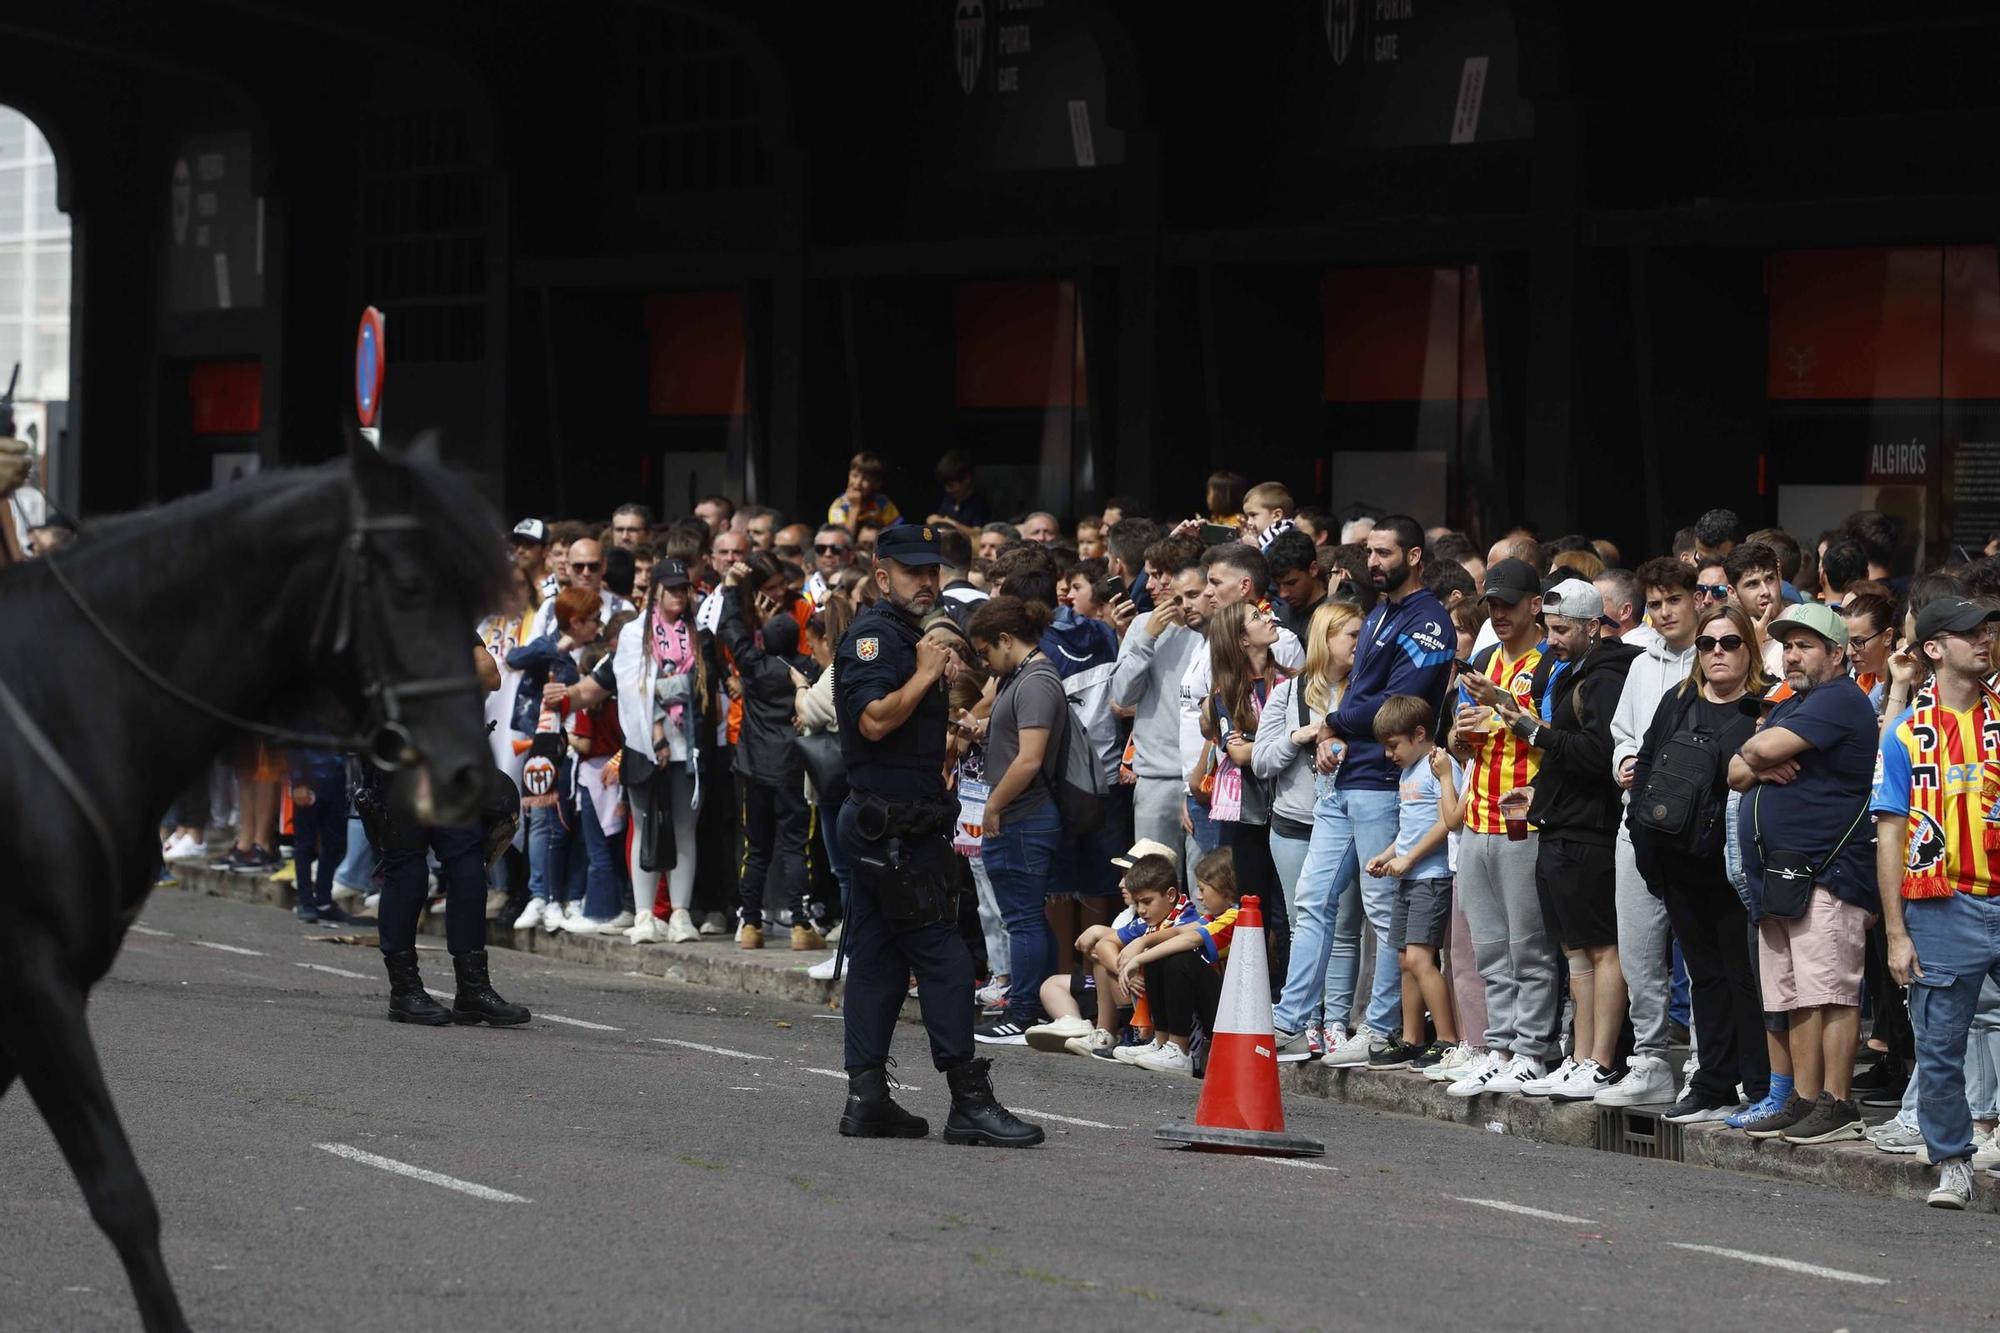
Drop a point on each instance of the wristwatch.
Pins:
(1527, 728)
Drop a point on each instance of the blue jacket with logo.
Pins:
(1405, 648)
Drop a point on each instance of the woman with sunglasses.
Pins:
(1679, 849)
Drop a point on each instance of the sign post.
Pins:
(370, 361)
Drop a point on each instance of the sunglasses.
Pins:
(585, 566)
(1708, 643)
(1717, 591)
(834, 548)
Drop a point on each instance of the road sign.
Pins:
(370, 348)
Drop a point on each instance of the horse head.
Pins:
(420, 564)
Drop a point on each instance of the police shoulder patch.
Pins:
(868, 649)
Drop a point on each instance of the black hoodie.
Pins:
(765, 751)
(1576, 797)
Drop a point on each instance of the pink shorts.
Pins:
(1815, 959)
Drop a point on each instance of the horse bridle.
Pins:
(384, 739)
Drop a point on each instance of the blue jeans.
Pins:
(1207, 836)
(551, 840)
(1958, 948)
(357, 868)
(1018, 860)
(1349, 826)
(602, 865)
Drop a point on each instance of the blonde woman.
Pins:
(1325, 927)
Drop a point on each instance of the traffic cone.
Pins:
(1240, 1110)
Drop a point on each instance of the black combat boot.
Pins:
(978, 1117)
(872, 1113)
(477, 1001)
(409, 1002)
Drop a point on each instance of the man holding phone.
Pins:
(1152, 661)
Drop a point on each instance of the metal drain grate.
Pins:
(1638, 1134)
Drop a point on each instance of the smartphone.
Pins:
(1111, 588)
(1463, 665)
(1215, 534)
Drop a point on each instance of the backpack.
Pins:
(1076, 778)
(1678, 805)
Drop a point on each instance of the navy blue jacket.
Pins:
(1405, 648)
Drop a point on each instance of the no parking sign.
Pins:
(370, 351)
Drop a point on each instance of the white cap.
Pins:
(1573, 599)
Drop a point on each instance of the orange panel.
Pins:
(1971, 322)
(227, 397)
(694, 354)
(1391, 334)
(1018, 344)
(1855, 323)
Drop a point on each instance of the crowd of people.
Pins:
(1713, 832)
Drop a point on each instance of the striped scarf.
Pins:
(1953, 811)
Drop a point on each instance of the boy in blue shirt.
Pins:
(1419, 861)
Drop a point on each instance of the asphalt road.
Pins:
(669, 1160)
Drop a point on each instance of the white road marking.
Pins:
(1293, 1161)
(1789, 1265)
(436, 994)
(712, 1050)
(229, 948)
(390, 1164)
(1526, 1211)
(579, 1023)
(1065, 1119)
(841, 1074)
(157, 934)
(336, 971)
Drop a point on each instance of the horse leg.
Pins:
(48, 1042)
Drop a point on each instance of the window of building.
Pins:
(34, 282)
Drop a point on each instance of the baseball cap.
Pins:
(669, 574)
(1573, 599)
(531, 530)
(1821, 620)
(1143, 848)
(1951, 615)
(1511, 581)
(909, 544)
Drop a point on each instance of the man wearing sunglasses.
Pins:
(833, 551)
(1711, 581)
(586, 571)
(1669, 587)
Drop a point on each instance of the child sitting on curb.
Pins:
(1151, 886)
(1179, 968)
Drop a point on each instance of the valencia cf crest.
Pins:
(969, 41)
(538, 776)
(868, 649)
(1926, 844)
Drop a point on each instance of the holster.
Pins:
(906, 860)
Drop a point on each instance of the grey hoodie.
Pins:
(1654, 672)
(1147, 680)
(1287, 767)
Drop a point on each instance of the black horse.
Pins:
(347, 592)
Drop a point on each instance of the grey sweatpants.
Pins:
(1642, 955)
(1156, 810)
(1517, 963)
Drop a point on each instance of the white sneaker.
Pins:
(583, 925)
(552, 916)
(1954, 1187)
(833, 936)
(1472, 1081)
(681, 928)
(715, 923)
(1583, 1083)
(1547, 1083)
(1167, 1058)
(617, 925)
(1352, 1048)
(572, 909)
(346, 897)
(992, 994)
(531, 915)
(648, 929)
(1130, 1055)
(1457, 1061)
(371, 903)
(1051, 1036)
(1985, 1152)
(183, 847)
(1647, 1082)
(1516, 1073)
(820, 971)
(1099, 1041)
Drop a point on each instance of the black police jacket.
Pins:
(878, 656)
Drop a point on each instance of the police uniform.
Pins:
(903, 880)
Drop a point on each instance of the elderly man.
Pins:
(833, 551)
(1041, 526)
(1808, 776)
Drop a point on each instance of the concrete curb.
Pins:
(781, 975)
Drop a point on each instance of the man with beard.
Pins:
(902, 912)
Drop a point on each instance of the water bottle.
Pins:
(1323, 783)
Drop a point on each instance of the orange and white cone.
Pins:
(1240, 1110)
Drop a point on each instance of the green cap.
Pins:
(1821, 620)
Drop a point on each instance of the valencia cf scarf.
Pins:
(545, 753)
(1952, 810)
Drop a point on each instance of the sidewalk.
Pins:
(781, 974)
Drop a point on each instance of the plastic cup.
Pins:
(1517, 826)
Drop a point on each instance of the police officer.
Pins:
(902, 910)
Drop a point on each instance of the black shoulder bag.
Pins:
(1789, 876)
(1678, 805)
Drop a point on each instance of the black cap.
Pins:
(1511, 581)
(909, 544)
(669, 574)
(1951, 615)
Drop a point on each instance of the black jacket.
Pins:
(1576, 797)
(764, 750)
(1655, 862)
